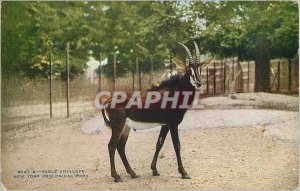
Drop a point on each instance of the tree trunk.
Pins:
(262, 65)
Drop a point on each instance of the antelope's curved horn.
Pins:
(197, 54)
(188, 52)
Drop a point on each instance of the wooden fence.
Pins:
(231, 76)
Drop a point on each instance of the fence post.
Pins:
(224, 76)
(278, 76)
(207, 83)
(290, 76)
(68, 79)
(233, 74)
(133, 74)
(139, 73)
(171, 68)
(99, 73)
(114, 71)
(50, 84)
(248, 76)
(228, 86)
(151, 77)
(214, 77)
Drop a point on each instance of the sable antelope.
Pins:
(121, 119)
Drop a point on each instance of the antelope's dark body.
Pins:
(167, 117)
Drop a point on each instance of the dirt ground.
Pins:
(231, 147)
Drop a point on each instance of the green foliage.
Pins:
(233, 28)
(31, 30)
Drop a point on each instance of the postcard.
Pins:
(149, 95)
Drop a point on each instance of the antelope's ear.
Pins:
(181, 65)
(206, 62)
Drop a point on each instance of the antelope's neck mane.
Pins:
(172, 83)
(175, 82)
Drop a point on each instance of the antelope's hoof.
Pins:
(155, 173)
(135, 176)
(117, 178)
(185, 176)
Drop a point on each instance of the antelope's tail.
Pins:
(106, 120)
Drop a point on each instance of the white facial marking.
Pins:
(192, 79)
(141, 125)
(193, 82)
(193, 72)
(199, 71)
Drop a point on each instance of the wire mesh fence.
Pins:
(28, 99)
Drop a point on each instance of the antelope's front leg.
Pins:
(176, 144)
(160, 142)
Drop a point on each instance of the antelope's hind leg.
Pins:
(176, 144)
(121, 151)
(112, 146)
(160, 142)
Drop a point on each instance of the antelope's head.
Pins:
(193, 68)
